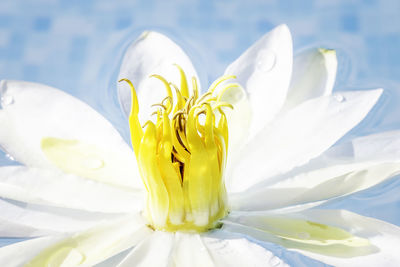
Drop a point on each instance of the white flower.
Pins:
(80, 194)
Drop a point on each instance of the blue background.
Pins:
(77, 46)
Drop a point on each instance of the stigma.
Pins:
(182, 155)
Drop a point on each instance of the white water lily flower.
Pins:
(80, 194)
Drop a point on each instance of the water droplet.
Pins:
(339, 98)
(266, 60)
(303, 235)
(10, 157)
(93, 163)
(7, 100)
(274, 261)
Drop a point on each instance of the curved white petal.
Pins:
(155, 250)
(314, 73)
(374, 242)
(379, 148)
(316, 186)
(54, 188)
(93, 246)
(34, 111)
(152, 53)
(301, 134)
(16, 221)
(385, 145)
(190, 250)
(384, 236)
(264, 70)
(14, 229)
(336, 237)
(230, 250)
(17, 254)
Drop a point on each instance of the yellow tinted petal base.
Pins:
(87, 160)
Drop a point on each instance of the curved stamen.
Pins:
(165, 82)
(184, 84)
(134, 124)
(159, 105)
(171, 104)
(195, 88)
(203, 97)
(222, 104)
(181, 100)
(215, 84)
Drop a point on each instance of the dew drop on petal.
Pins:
(266, 60)
(274, 261)
(93, 163)
(339, 98)
(7, 100)
(10, 157)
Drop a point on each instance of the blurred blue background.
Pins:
(77, 46)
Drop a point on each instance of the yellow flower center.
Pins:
(182, 156)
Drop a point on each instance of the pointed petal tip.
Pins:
(327, 51)
(283, 29)
(149, 34)
(376, 93)
(330, 59)
(280, 30)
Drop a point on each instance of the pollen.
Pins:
(182, 155)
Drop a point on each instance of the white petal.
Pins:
(15, 229)
(230, 250)
(384, 236)
(53, 188)
(94, 245)
(38, 111)
(264, 70)
(152, 53)
(301, 134)
(154, 251)
(189, 250)
(336, 237)
(314, 73)
(384, 145)
(17, 254)
(378, 147)
(316, 186)
(16, 221)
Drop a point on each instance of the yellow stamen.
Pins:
(184, 85)
(182, 157)
(215, 84)
(134, 124)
